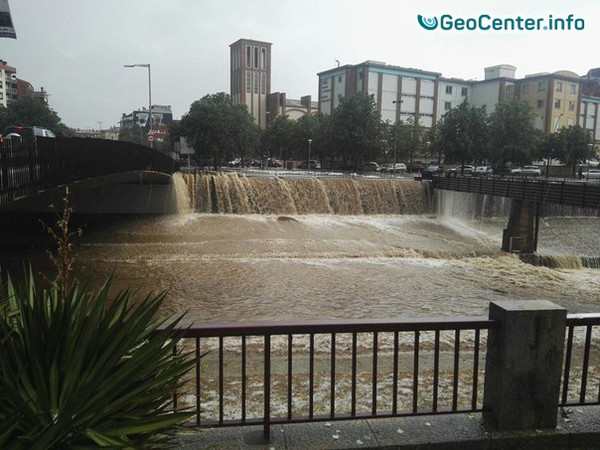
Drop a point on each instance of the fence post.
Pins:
(523, 365)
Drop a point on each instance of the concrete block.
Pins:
(523, 365)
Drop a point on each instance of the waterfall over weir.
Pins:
(232, 193)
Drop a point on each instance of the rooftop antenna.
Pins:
(337, 61)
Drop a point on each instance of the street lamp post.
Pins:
(308, 162)
(147, 66)
(396, 102)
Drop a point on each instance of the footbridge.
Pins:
(527, 194)
(101, 175)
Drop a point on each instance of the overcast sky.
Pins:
(76, 49)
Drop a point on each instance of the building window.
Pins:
(557, 104)
(573, 89)
(448, 105)
(540, 104)
(248, 81)
(541, 86)
(360, 75)
(256, 57)
(263, 83)
(263, 58)
(464, 92)
(525, 89)
(340, 79)
(248, 56)
(559, 86)
(256, 83)
(571, 106)
(448, 89)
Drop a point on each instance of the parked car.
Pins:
(591, 174)
(415, 168)
(370, 167)
(18, 132)
(501, 170)
(465, 169)
(314, 164)
(398, 168)
(434, 169)
(527, 171)
(483, 171)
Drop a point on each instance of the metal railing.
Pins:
(302, 173)
(581, 194)
(288, 372)
(581, 374)
(271, 373)
(29, 166)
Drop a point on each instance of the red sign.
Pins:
(158, 133)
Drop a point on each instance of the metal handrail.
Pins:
(334, 330)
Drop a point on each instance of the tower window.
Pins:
(256, 57)
(248, 56)
(263, 58)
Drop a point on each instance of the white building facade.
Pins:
(401, 94)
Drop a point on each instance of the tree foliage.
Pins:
(30, 112)
(570, 145)
(463, 134)
(218, 130)
(354, 130)
(134, 134)
(512, 136)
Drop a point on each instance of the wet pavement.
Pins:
(578, 428)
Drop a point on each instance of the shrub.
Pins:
(80, 368)
(83, 370)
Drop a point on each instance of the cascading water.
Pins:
(236, 194)
(568, 237)
(182, 194)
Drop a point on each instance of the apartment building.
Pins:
(554, 98)
(400, 93)
(8, 83)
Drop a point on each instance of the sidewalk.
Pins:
(578, 428)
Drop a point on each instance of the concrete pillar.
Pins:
(523, 365)
(520, 234)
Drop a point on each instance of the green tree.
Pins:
(511, 133)
(463, 133)
(279, 138)
(133, 133)
(218, 130)
(354, 130)
(310, 127)
(571, 145)
(32, 112)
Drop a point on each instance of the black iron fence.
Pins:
(288, 372)
(581, 373)
(320, 370)
(29, 166)
(581, 194)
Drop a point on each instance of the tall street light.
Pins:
(147, 66)
(396, 102)
(309, 144)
